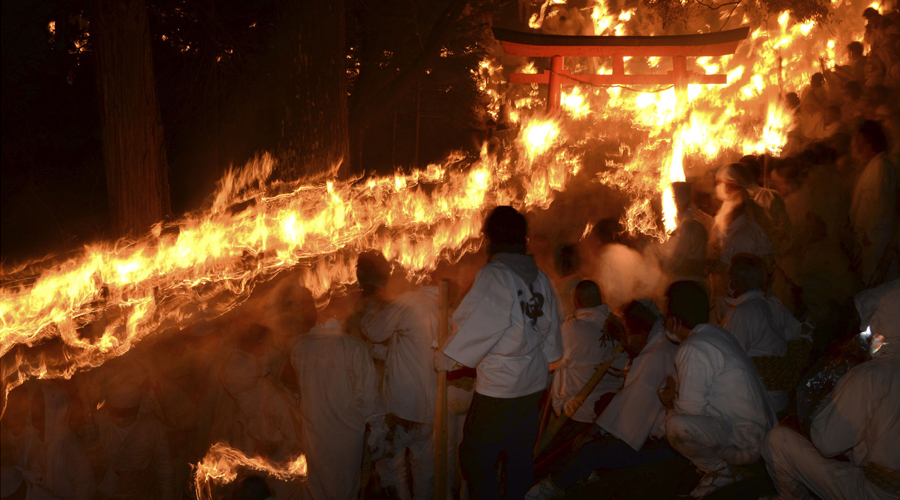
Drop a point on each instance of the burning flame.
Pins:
(97, 305)
(221, 464)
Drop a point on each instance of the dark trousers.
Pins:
(609, 452)
(496, 426)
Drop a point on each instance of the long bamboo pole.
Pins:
(440, 423)
(585, 391)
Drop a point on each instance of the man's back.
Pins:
(716, 378)
(409, 324)
(862, 415)
(338, 394)
(508, 329)
(761, 327)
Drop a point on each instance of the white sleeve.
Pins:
(481, 319)
(694, 372)
(741, 322)
(553, 344)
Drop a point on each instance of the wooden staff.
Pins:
(440, 422)
(580, 397)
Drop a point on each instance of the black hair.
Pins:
(751, 162)
(872, 132)
(507, 231)
(853, 88)
(855, 48)
(747, 271)
(372, 271)
(587, 293)
(639, 317)
(566, 259)
(607, 230)
(688, 302)
(251, 487)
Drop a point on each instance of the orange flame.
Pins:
(210, 261)
(221, 464)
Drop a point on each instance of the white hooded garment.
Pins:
(56, 466)
(636, 413)
(585, 348)
(873, 211)
(494, 333)
(338, 397)
(761, 324)
(410, 325)
(860, 420)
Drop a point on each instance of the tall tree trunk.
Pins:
(312, 58)
(134, 152)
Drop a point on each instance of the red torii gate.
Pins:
(678, 47)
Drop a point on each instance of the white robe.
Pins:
(583, 351)
(636, 413)
(56, 467)
(761, 324)
(859, 420)
(722, 412)
(684, 254)
(409, 390)
(338, 397)
(137, 459)
(873, 212)
(410, 325)
(492, 333)
(779, 222)
(743, 235)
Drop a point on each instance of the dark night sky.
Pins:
(53, 184)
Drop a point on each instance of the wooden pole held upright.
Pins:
(440, 414)
(554, 92)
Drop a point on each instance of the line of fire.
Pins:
(450, 249)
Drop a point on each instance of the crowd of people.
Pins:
(774, 262)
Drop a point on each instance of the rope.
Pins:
(884, 478)
(782, 373)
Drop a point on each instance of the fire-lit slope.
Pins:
(95, 306)
(207, 263)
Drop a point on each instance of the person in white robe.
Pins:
(508, 328)
(135, 446)
(720, 414)
(408, 326)
(858, 422)
(567, 262)
(736, 230)
(873, 210)
(684, 254)
(586, 344)
(338, 400)
(265, 423)
(759, 321)
(630, 431)
(777, 224)
(52, 461)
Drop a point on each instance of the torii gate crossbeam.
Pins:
(678, 47)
